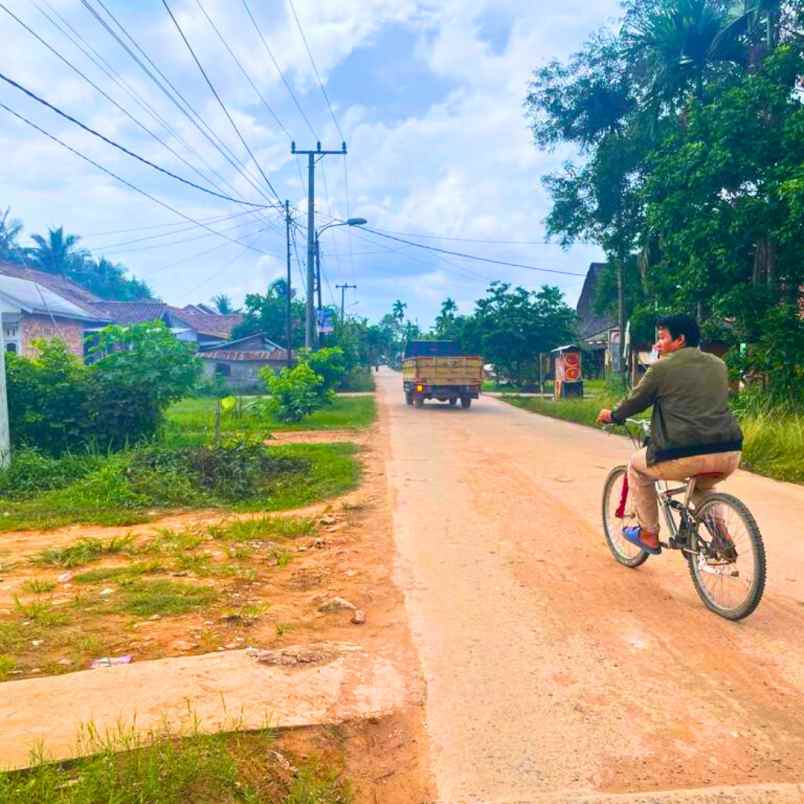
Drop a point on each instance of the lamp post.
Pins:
(319, 232)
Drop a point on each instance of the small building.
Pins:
(598, 333)
(31, 310)
(238, 363)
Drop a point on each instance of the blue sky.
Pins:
(428, 95)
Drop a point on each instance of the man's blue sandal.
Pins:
(633, 534)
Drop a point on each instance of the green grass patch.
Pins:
(773, 445)
(39, 586)
(13, 636)
(83, 551)
(582, 411)
(193, 420)
(124, 573)
(266, 527)
(203, 769)
(41, 612)
(7, 664)
(141, 484)
(146, 598)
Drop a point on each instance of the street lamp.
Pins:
(319, 232)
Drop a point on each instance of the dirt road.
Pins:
(549, 668)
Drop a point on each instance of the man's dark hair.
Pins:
(681, 324)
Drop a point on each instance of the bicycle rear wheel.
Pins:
(626, 553)
(728, 570)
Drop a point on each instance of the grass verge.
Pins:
(203, 769)
(772, 443)
(193, 419)
(142, 484)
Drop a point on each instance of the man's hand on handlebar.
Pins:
(604, 417)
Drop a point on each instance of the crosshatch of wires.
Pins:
(193, 144)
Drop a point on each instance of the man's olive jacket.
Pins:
(689, 393)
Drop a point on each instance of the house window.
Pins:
(11, 347)
(223, 369)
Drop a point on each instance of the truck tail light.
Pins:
(420, 388)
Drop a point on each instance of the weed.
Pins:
(199, 564)
(282, 557)
(172, 542)
(239, 552)
(83, 551)
(284, 628)
(146, 598)
(271, 527)
(119, 573)
(41, 613)
(7, 664)
(39, 586)
(317, 783)
(12, 636)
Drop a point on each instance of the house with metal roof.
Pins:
(597, 332)
(238, 363)
(30, 310)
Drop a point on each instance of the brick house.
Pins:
(36, 305)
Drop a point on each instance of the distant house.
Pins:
(238, 363)
(190, 323)
(598, 332)
(35, 304)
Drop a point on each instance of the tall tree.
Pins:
(57, 252)
(223, 304)
(267, 313)
(10, 230)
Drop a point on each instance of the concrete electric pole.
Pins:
(5, 435)
(288, 321)
(309, 328)
(343, 289)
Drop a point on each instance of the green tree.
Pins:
(267, 313)
(223, 304)
(56, 253)
(515, 325)
(10, 230)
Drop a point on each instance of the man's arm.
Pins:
(642, 397)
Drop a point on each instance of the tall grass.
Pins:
(773, 445)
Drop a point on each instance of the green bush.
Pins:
(358, 379)
(295, 392)
(32, 471)
(329, 364)
(58, 405)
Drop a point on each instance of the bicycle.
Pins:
(719, 538)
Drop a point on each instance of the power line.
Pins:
(474, 240)
(111, 73)
(122, 148)
(243, 69)
(474, 257)
(220, 101)
(95, 86)
(279, 69)
(216, 219)
(172, 94)
(115, 176)
(315, 69)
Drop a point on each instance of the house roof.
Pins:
(64, 287)
(589, 322)
(253, 355)
(36, 299)
(267, 342)
(131, 312)
(217, 326)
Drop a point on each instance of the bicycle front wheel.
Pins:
(625, 552)
(728, 569)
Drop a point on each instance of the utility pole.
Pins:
(288, 321)
(343, 289)
(309, 329)
(318, 271)
(5, 437)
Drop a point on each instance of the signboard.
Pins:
(326, 321)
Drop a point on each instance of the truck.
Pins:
(438, 370)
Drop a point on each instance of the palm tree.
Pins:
(674, 44)
(57, 253)
(10, 229)
(398, 310)
(223, 304)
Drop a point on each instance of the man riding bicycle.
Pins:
(693, 432)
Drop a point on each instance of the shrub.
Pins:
(295, 392)
(329, 364)
(57, 404)
(32, 471)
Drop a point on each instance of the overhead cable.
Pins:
(122, 148)
(118, 178)
(220, 100)
(474, 257)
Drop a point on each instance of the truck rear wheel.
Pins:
(418, 402)
(409, 399)
(453, 402)
(466, 402)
